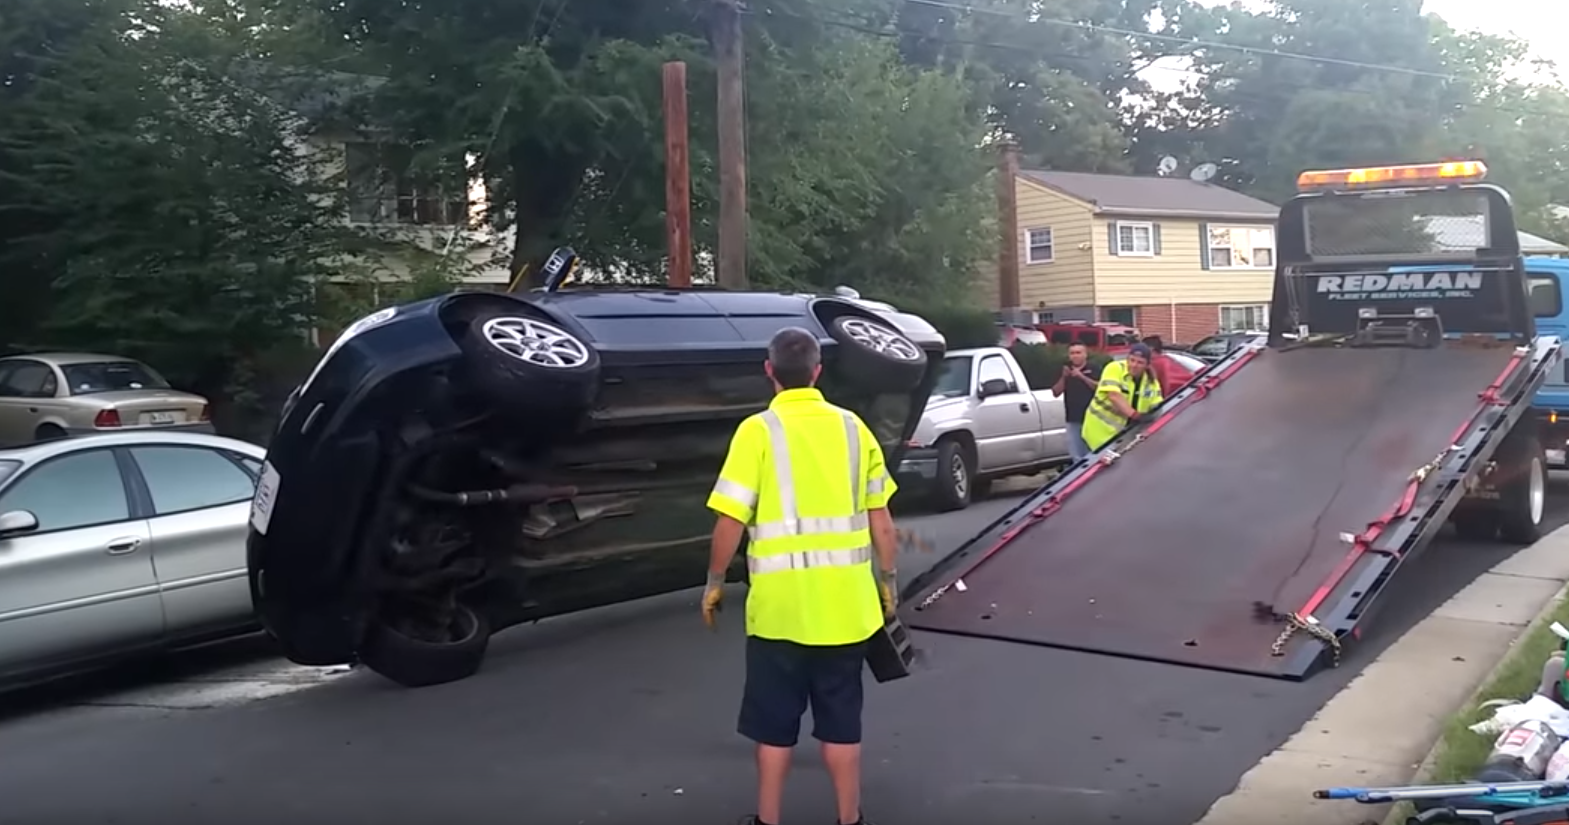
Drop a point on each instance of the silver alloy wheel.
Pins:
(1538, 489)
(880, 339)
(536, 342)
(961, 476)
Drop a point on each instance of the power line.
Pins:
(1186, 41)
(886, 33)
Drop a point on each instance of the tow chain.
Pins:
(1110, 456)
(1310, 626)
(1421, 473)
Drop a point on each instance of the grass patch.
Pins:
(1460, 753)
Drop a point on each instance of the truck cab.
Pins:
(1545, 277)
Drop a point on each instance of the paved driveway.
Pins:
(626, 715)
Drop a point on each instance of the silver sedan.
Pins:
(115, 545)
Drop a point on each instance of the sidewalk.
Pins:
(1380, 729)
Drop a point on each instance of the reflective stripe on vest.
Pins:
(737, 493)
(792, 524)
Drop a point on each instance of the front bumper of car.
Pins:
(918, 468)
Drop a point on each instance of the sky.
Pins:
(1538, 22)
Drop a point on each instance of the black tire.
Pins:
(500, 359)
(1475, 523)
(1523, 492)
(48, 432)
(955, 475)
(418, 663)
(873, 355)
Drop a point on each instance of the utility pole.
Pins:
(1008, 227)
(678, 178)
(732, 144)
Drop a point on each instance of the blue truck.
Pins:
(1545, 277)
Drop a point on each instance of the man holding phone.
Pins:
(1076, 387)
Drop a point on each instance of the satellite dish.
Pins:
(1204, 171)
(1168, 164)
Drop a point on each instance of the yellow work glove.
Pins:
(713, 598)
(888, 589)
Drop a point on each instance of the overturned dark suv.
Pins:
(464, 464)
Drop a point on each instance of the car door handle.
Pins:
(120, 547)
(1024, 408)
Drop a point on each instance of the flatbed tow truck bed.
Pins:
(1282, 485)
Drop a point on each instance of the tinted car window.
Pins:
(1546, 296)
(77, 490)
(28, 379)
(109, 376)
(1213, 345)
(190, 478)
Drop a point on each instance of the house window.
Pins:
(1038, 246)
(1135, 238)
(383, 189)
(1241, 247)
(1244, 318)
(1118, 315)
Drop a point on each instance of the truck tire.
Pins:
(525, 363)
(1523, 493)
(875, 356)
(419, 663)
(955, 475)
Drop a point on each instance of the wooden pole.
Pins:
(732, 145)
(1008, 227)
(678, 178)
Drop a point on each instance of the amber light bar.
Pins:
(1373, 177)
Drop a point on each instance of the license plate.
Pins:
(266, 496)
(1556, 457)
(157, 418)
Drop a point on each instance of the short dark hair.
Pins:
(794, 355)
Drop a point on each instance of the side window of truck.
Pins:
(993, 367)
(1546, 295)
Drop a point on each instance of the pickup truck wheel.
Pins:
(415, 662)
(523, 362)
(875, 356)
(1523, 495)
(955, 475)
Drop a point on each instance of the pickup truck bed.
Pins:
(1228, 512)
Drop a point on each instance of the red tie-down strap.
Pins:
(1363, 541)
(1053, 503)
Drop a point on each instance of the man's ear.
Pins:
(768, 369)
(817, 372)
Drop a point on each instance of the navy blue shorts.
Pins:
(784, 678)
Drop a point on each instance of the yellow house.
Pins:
(1172, 256)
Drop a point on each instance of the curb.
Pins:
(1397, 813)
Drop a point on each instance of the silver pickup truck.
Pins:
(982, 422)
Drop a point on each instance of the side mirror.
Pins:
(16, 523)
(996, 386)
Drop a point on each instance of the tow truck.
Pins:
(1334, 457)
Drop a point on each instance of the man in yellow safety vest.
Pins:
(807, 482)
(1127, 390)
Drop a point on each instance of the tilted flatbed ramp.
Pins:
(1232, 509)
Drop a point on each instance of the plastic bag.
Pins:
(1507, 713)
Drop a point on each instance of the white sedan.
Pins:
(115, 545)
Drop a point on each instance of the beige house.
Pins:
(1171, 256)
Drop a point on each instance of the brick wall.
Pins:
(1192, 321)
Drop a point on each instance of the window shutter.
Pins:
(1204, 245)
(1111, 231)
(1155, 238)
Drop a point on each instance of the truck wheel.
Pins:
(955, 475)
(875, 356)
(420, 663)
(1523, 495)
(526, 363)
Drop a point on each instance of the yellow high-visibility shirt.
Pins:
(1102, 422)
(802, 476)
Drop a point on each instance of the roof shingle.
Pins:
(1152, 196)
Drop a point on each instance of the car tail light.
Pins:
(206, 414)
(107, 418)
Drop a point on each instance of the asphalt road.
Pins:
(626, 715)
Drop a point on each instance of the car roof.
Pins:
(32, 453)
(65, 359)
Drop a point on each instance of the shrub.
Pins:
(963, 326)
(1043, 363)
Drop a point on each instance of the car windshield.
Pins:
(7, 468)
(111, 376)
(954, 380)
